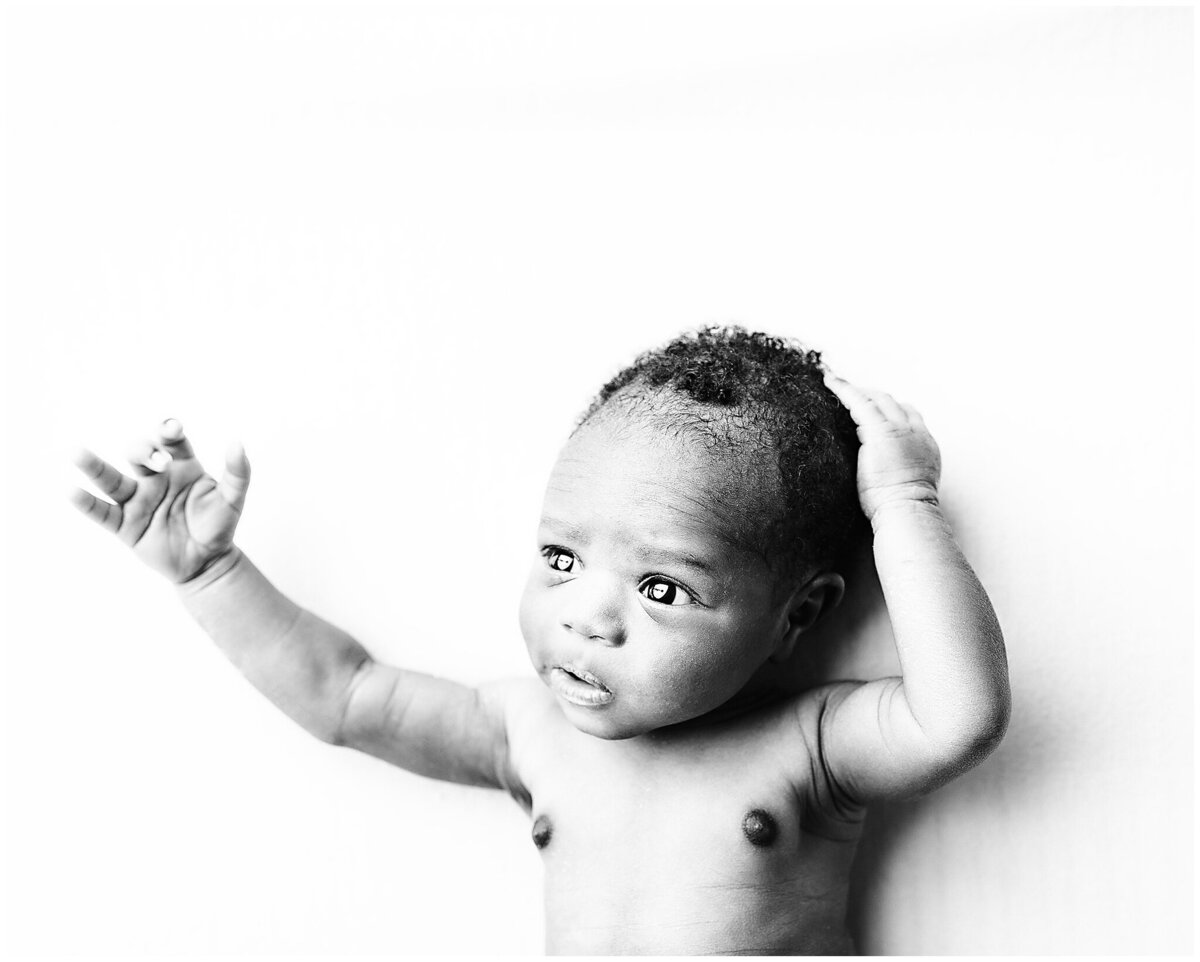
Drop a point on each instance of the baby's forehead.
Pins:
(723, 447)
(671, 474)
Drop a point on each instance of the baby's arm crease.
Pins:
(352, 687)
(367, 714)
(827, 794)
(490, 705)
(836, 789)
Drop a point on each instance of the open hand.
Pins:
(175, 516)
(899, 459)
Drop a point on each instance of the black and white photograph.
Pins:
(598, 478)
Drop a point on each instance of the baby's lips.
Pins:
(579, 687)
(587, 676)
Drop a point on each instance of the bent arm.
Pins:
(330, 685)
(950, 707)
(429, 726)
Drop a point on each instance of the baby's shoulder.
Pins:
(810, 707)
(798, 726)
(532, 720)
(778, 752)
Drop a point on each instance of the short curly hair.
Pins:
(757, 395)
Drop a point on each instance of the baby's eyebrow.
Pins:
(643, 552)
(571, 531)
(648, 554)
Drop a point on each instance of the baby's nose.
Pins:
(593, 609)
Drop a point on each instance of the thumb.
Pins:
(236, 479)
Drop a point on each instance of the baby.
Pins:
(695, 527)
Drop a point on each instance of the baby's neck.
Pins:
(750, 699)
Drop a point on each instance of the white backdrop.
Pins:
(395, 248)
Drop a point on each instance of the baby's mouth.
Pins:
(579, 687)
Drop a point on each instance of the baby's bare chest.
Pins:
(687, 852)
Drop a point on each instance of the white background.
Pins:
(395, 249)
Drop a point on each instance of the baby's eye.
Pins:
(664, 592)
(559, 559)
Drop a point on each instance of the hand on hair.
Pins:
(898, 461)
(176, 517)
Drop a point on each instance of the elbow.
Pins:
(994, 717)
(333, 731)
(351, 722)
(979, 736)
(988, 714)
(960, 744)
(987, 735)
(331, 726)
(1000, 718)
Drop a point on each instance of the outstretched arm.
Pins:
(949, 708)
(329, 684)
(181, 522)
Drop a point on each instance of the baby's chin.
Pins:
(603, 722)
(612, 724)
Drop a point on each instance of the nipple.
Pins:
(759, 828)
(542, 831)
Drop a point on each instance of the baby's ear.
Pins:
(821, 593)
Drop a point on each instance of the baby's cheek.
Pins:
(531, 612)
(535, 614)
(712, 672)
(688, 687)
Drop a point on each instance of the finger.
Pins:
(861, 405)
(146, 459)
(105, 477)
(171, 437)
(890, 407)
(104, 514)
(914, 416)
(236, 479)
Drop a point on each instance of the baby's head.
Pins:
(693, 528)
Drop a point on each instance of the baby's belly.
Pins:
(682, 920)
(694, 889)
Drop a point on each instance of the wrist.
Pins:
(216, 569)
(925, 506)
